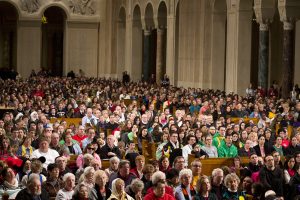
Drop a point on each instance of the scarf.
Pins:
(24, 152)
(185, 192)
(11, 186)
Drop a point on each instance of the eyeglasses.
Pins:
(91, 148)
(197, 166)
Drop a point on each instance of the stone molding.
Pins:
(82, 7)
(30, 6)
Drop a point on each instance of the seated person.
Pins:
(53, 184)
(109, 149)
(68, 190)
(25, 150)
(33, 190)
(9, 179)
(46, 152)
(89, 149)
(36, 168)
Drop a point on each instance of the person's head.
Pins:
(91, 133)
(88, 159)
(278, 141)
(254, 159)
(297, 168)
(232, 181)
(34, 185)
(217, 176)
(172, 176)
(185, 176)
(61, 162)
(159, 188)
(276, 157)
(191, 139)
(157, 176)
(114, 163)
(261, 140)
(203, 185)
(118, 186)
(228, 139)
(44, 144)
(53, 171)
(164, 162)
(89, 174)
(36, 166)
(247, 183)
(148, 171)
(100, 178)
(297, 156)
(174, 137)
(269, 162)
(137, 186)
(111, 140)
(83, 191)
(8, 174)
(196, 167)
(179, 163)
(140, 162)
(124, 168)
(96, 164)
(90, 149)
(289, 162)
(69, 181)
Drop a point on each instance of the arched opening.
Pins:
(137, 44)
(121, 32)
(53, 40)
(149, 44)
(161, 41)
(8, 38)
(254, 53)
(219, 31)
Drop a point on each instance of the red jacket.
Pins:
(152, 196)
(169, 191)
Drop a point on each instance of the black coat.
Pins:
(24, 195)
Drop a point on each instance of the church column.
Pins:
(264, 12)
(288, 58)
(159, 54)
(146, 55)
(263, 59)
(289, 10)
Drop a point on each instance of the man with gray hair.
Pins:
(217, 186)
(33, 190)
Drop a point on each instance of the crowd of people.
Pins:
(116, 116)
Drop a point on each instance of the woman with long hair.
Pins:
(204, 190)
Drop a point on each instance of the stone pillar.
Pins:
(171, 69)
(146, 55)
(160, 55)
(263, 60)
(288, 59)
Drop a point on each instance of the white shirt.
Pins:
(50, 156)
(186, 150)
(64, 195)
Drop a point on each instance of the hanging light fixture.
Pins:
(44, 20)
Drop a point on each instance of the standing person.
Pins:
(271, 176)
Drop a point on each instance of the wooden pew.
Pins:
(246, 120)
(209, 164)
(76, 121)
(148, 150)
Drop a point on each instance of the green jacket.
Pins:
(227, 152)
(218, 140)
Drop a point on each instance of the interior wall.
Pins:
(297, 53)
(189, 43)
(83, 41)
